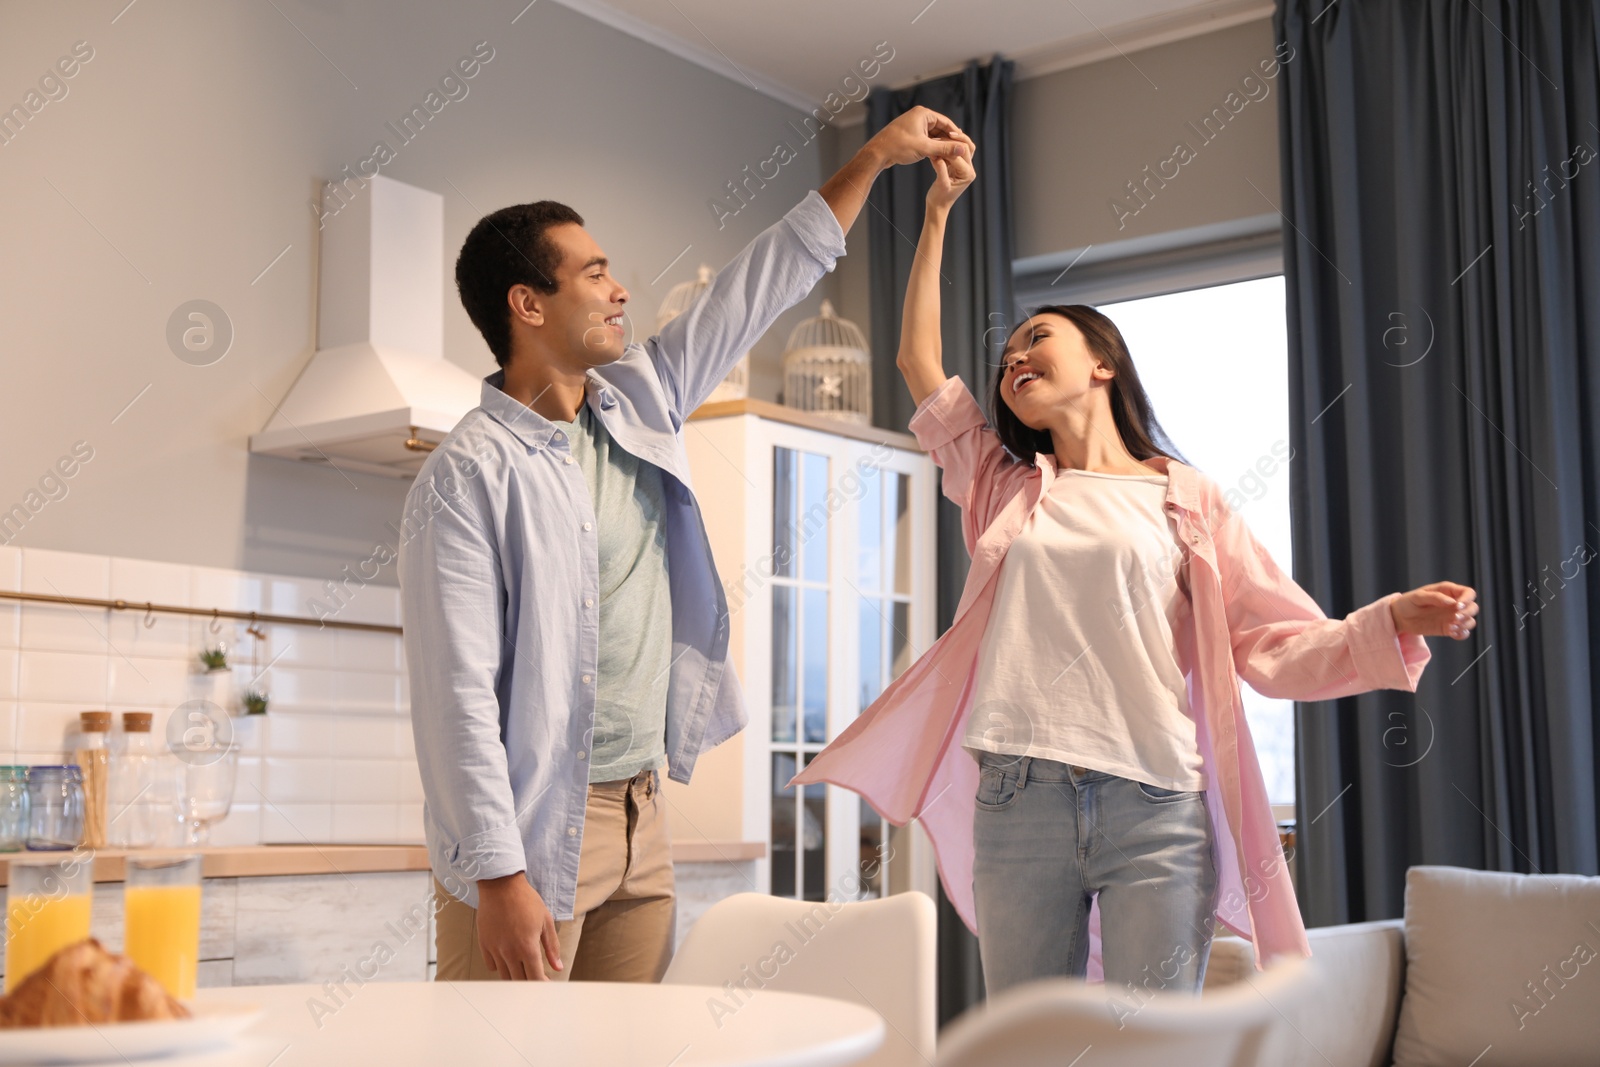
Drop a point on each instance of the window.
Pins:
(1225, 349)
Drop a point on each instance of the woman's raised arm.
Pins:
(921, 355)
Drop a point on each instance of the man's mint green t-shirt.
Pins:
(635, 603)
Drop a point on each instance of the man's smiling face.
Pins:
(587, 307)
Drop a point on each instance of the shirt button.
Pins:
(583, 755)
(588, 601)
(587, 679)
(560, 436)
(587, 527)
(572, 831)
(568, 460)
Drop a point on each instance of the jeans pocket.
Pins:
(997, 790)
(1156, 792)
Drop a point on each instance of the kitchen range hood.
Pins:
(378, 394)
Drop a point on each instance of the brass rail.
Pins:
(211, 613)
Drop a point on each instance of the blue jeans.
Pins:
(1050, 836)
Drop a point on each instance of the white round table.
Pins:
(540, 1024)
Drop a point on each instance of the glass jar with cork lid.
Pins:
(142, 800)
(91, 751)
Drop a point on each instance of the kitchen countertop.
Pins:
(266, 860)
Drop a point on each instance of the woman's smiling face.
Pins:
(1047, 363)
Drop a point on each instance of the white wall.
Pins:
(181, 161)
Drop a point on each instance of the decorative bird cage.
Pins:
(827, 369)
(736, 386)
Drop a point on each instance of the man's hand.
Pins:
(950, 179)
(1442, 609)
(918, 134)
(516, 931)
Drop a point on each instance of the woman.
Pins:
(1075, 744)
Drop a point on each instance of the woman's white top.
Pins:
(1078, 663)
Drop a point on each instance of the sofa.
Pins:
(1485, 970)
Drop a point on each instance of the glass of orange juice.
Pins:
(47, 909)
(161, 901)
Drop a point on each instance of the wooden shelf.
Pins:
(251, 861)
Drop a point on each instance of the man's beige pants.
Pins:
(621, 929)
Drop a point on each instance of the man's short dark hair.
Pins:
(506, 248)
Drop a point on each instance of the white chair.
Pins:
(1056, 1021)
(877, 953)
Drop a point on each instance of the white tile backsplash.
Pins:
(410, 790)
(65, 573)
(305, 688)
(63, 678)
(366, 781)
(303, 646)
(251, 782)
(10, 622)
(368, 737)
(212, 587)
(143, 681)
(411, 831)
(366, 822)
(288, 734)
(331, 761)
(10, 610)
(150, 581)
(167, 636)
(367, 692)
(296, 824)
(297, 781)
(8, 732)
(361, 651)
(65, 628)
(44, 727)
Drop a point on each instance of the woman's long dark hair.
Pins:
(1136, 422)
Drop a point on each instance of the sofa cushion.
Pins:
(1345, 1015)
(1501, 969)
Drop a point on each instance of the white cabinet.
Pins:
(824, 536)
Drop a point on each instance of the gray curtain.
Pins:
(977, 315)
(1442, 263)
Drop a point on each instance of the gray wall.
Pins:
(180, 162)
(1083, 134)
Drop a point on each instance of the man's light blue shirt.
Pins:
(499, 577)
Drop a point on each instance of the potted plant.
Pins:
(215, 659)
(255, 701)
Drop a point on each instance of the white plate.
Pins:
(211, 1025)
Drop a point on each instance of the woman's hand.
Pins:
(1442, 609)
(951, 178)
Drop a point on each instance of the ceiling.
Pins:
(799, 53)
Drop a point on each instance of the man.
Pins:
(565, 628)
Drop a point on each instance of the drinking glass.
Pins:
(47, 909)
(208, 790)
(161, 901)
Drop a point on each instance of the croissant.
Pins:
(82, 984)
